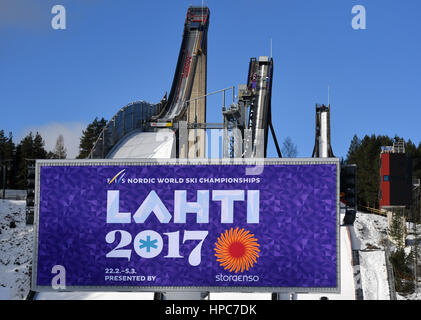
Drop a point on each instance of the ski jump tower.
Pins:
(322, 146)
(186, 104)
(196, 25)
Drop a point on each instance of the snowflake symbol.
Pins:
(148, 244)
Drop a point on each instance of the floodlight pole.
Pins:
(5, 165)
(4, 180)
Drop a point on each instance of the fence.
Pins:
(372, 210)
(11, 194)
(390, 274)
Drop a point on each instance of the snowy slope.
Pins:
(371, 230)
(160, 145)
(16, 241)
(374, 275)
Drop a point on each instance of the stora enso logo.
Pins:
(117, 178)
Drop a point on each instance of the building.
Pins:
(395, 176)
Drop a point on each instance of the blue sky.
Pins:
(115, 52)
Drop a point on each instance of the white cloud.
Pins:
(71, 132)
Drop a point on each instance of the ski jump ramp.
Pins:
(146, 145)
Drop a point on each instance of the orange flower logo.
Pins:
(237, 250)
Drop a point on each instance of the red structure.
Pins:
(384, 179)
(395, 176)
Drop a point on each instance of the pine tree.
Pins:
(89, 136)
(414, 153)
(397, 229)
(39, 151)
(30, 147)
(353, 149)
(9, 154)
(4, 152)
(23, 152)
(365, 154)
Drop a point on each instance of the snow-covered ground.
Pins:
(16, 242)
(371, 230)
(13, 194)
(374, 275)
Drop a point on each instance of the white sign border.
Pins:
(221, 161)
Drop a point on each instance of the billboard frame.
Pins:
(153, 162)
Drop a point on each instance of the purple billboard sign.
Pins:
(201, 225)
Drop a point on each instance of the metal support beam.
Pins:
(274, 139)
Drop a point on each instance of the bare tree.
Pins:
(289, 149)
(60, 151)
